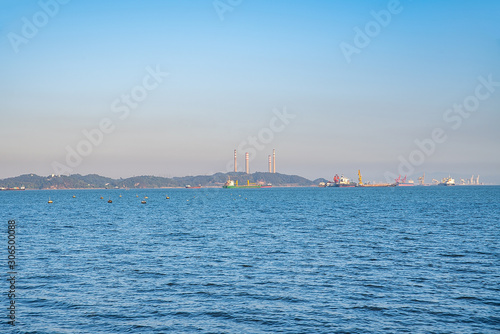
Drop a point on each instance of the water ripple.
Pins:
(312, 260)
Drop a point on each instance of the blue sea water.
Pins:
(279, 260)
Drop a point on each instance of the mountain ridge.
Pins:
(95, 181)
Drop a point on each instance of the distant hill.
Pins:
(33, 181)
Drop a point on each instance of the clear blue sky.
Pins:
(229, 70)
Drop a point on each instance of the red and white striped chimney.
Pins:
(235, 162)
(274, 161)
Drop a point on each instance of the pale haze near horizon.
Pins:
(230, 73)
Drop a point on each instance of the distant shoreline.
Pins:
(217, 180)
(94, 181)
(128, 189)
(213, 187)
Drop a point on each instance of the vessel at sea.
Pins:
(341, 182)
(14, 188)
(230, 184)
(188, 186)
(447, 181)
(401, 182)
(367, 185)
(361, 184)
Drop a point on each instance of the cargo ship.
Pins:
(188, 186)
(401, 182)
(341, 182)
(447, 181)
(230, 184)
(367, 185)
(14, 188)
(361, 184)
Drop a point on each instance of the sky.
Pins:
(171, 88)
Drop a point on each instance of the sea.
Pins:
(275, 260)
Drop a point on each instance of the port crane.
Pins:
(421, 180)
(400, 180)
(360, 179)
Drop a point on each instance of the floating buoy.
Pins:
(120, 195)
(74, 196)
(146, 197)
(143, 202)
(102, 197)
(110, 201)
(50, 201)
(168, 197)
(136, 195)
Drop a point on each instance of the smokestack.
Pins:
(274, 161)
(246, 162)
(270, 170)
(235, 162)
